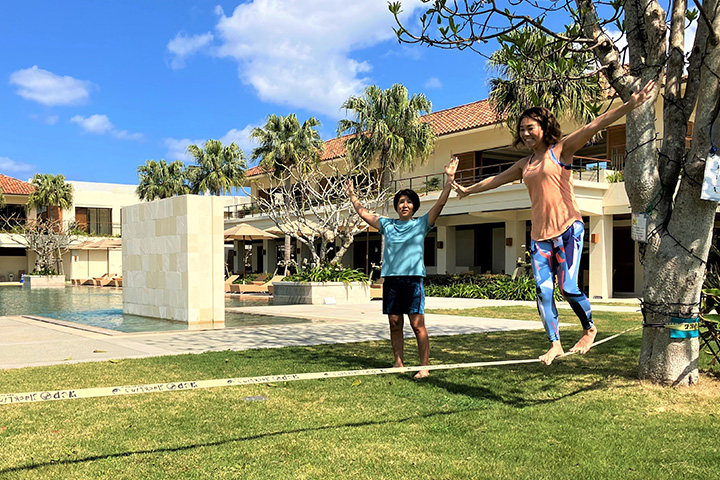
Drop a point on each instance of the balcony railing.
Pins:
(242, 210)
(8, 225)
(584, 168)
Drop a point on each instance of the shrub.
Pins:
(494, 287)
(328, 272)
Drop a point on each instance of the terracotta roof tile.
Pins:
(463, 117)
(13, 186)
(444, 122)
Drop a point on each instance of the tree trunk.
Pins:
(675, 258)
(287, 252)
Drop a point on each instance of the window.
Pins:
(13, 214)
(95, 221)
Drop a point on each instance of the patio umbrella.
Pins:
(106, 244)
(244, 232)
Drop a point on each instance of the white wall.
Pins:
(173, 264)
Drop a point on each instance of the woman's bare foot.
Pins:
(422, 374)
(555, 351)
(586, 341)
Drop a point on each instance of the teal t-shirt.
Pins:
(404, 253)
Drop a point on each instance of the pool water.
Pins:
(102, 307)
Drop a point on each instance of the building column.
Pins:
(601, 251)
(515, 237)
(269, 260)
(446, 255)
(237, 260)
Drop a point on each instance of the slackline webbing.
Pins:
(73, 394)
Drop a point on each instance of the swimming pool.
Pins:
(102, 307)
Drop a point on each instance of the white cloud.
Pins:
(177, 149)
(46, 119)
(10, 165)
(620, 41)
(182, 47)
(433, 82)
(101, 125)
(242, 139)
(50, 89)
(299, 53)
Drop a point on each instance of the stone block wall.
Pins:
(173, 259)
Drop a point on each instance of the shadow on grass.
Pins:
(518, 386)
(260, 436)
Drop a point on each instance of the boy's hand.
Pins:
(349, 188)
(451, 168)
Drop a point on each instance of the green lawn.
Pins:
(584, 417)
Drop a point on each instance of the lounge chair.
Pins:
(116, 282)
(260, 279)
(376, 290)
(252, 288)
(82, 281)
(104, 280)
(229, 282)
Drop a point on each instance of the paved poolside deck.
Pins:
(27, 342)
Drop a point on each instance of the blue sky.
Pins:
(93, 89)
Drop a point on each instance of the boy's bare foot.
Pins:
(422, 374)
(555, 351)
(586, 341)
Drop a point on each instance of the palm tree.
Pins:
(218, 168)
(284, 143)
(2, 198)
(387, 130)
(50, 191)
(535, 70)
(161, 180)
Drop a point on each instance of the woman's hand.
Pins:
(641, 96)
(459, 189)
(451, 168)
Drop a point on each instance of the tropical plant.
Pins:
(537, 69)
(2, 198)
(284, 146)
(48, 238)
(328, 272)
(386, 130)
(283, 140)
(495, 287)
(50, 191)
(663, 181)
(217, 168)
(615, 177)
(161, 180)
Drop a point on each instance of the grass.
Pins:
(583, 417)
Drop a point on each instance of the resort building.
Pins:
(96, 212)
(490, 232)
(482, 233)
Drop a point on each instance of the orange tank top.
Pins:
(552, 200)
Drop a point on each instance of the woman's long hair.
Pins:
(547, 121)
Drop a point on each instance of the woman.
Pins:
(403, 267)
(557, 225)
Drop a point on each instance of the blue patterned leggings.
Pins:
(559, 258)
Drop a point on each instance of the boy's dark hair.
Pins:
(552, 133)
(411, 195)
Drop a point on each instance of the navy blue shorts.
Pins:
(403, 295)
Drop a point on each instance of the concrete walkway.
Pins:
(26, 342)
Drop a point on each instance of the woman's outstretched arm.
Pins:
(575, 141)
